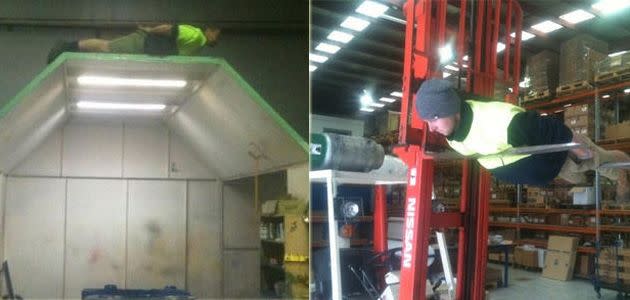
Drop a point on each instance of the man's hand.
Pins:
(584, 152)
(164, 29)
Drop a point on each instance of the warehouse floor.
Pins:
(531, 285)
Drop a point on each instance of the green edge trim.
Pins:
(9, 106)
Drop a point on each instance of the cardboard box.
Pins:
(579, 57)
(618, 131)
(562, 243)
(526, 257)
(579, 121)
(493, 275)
(578, 110)
(296, 236)
(297, 279)
(559, 265)
(582, 265)
(583, 195)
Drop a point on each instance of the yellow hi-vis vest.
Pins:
(489, 133)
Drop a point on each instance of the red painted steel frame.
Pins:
(425, 31)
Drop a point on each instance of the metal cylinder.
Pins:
(345, 153)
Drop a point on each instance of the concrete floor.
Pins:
(526, 285)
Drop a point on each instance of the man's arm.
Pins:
(164, 29)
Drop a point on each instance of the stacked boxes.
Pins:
(608, 262)
(579, 58)
(560, 259)
(526, 256)
(618, 131)
(580, 119)
(614, 64)
(542, 70)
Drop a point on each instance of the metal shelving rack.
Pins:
(332, 179)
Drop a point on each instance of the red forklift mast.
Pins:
(481, 25)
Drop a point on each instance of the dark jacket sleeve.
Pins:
(531, 129)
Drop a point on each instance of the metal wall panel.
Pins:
(34, 241)
(95, 234)
(241, 274)
(240, 228)
(45, 160)
(156, 238)
(185, 163)
(205, 251)
(92, 150)
(145, 151)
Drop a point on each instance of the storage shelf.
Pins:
(543, 244)
(324, 218)
(354, 242)
(577, 98)
(530, 210)
(560, 228)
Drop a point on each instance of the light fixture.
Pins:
(611, 6)
(396, 94)
(119, 106)
(372, 9)
(465, 57)
(605, 96)
(446, 54)
(543, 114)
(452, 68)
(577, 16)
(547, 26)
(388, 100)
(500, 47)
(617, 53)
(366, 98)
(312, 68)
(325, 47)
(119, 81)
(355, 23)
(367, 109)
(626, 91)
(339, 36)
(567, 105)
(445, 74)
(317, 58)
(524, 35)
(376, 104)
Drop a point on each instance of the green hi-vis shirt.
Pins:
(189, 39)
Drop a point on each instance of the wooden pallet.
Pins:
(537, 96)
(573, 87)
(612, 76)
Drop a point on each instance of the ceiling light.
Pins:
(605, 96)
(377, 104)
(371, 9)
(118, 81)
(543, 114)
(387, 99)
(367, 109)
(312, 68)
(317, 58)
(465, 57)
(524, 35)
(366, 98)
(547, 26)
(355, 23)
(119, 106)
(617, 53)
(577, 16)
(451, 68)
(339, 36)
(500, 47)
(445, 74)
(611, 6)
(325, 47)
(626, 91)
(446, 54)
(464, 65)
(396, 94)
(567, 105)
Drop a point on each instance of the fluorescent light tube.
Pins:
(119, 81)
(119, 106)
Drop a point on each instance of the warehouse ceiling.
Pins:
(373, 59)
